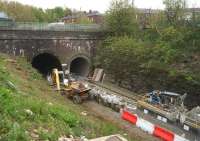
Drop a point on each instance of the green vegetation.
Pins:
(30, 110)
(177, 6)
(26, 13)
(164, 56)
(120, 18)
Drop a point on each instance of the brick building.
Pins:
(93, 16)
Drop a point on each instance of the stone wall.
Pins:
(64, 45)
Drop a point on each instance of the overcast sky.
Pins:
(100, 5)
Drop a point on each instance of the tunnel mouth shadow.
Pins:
(45, 62)
(80, 66)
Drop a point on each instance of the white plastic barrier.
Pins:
(145, 126)
(179, 138)
(130, 107)
(159, 117)
(93, 92)
(103, 96)
(185, 127)
(110, 98)
(146, 111)
(164, 120)
(116, 100)
(106, 97)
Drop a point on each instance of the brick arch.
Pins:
(79, 65)
(45, 62)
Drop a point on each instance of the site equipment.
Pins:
(73, 88)
(165, 98)
(166, 104)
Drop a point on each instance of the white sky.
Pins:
(100, 5)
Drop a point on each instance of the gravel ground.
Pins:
(114, 117)
(192, 136)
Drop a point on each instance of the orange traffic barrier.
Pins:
(163, 134)
(129, 117)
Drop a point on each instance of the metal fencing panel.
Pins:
(50, 26)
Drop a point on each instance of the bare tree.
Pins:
(175, 10)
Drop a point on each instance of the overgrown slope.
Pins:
(30, 110)
(143, 66)
(155, 51)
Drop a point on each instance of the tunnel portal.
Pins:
(79, 66)
(45, 62)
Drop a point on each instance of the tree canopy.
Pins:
(175, 10)
(164, 56)
(120, 18)
(26, 13)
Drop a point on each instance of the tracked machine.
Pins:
(74, 89)
(165, 104)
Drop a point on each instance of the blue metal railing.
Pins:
(51, 26)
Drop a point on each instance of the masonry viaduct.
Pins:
(49, 49)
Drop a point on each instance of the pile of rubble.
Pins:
(109, 99)
(194, 113)
(107, 138)
(71, 138)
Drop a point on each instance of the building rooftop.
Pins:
(192, 9)
(89, 14)
(154, 11)
(94, 13)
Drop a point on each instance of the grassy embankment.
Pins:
(30, 110)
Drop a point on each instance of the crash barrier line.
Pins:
(134, 119)
(150, 128)
(179, 138)
(145, 126)
(163, 134)
(129, 117)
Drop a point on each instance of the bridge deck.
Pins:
(51, 27)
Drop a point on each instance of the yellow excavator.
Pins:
(73, 89)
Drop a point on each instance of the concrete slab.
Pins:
(110, 138)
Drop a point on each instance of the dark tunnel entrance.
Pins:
(45, 62)
(80, 66)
